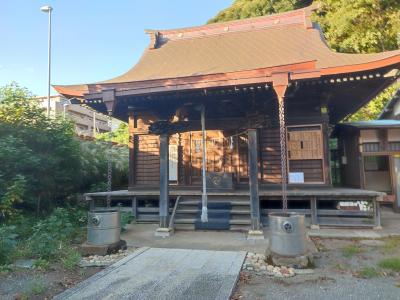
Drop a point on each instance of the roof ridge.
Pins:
(300, 16)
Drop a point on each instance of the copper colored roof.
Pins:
(261, 43)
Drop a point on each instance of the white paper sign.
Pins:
(296, 177)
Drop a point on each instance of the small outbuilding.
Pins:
(369, 154)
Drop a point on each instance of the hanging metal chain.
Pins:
(109, 160)
(282, 136)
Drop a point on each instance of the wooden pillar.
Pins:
(253, 179)
(314, 213)
(134, 208)
(164, 180)
(396, 181)
(327, 152)
(377, 213)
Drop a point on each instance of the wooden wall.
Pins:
(227, 152)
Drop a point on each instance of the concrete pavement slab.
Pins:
(160, 273)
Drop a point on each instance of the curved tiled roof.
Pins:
(244, 45)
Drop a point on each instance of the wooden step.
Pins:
(233, 202)
(195, 211)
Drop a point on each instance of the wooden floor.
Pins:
(270, 191)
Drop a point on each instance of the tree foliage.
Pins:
(351, 26)
(119, 136)
(242, 9)
(360, 26)
(43, 164)
(373, 109)
(39, 156)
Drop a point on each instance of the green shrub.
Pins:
(14, 194)
(8, 243)
(390, 263)
(126, 218)
(52, 235)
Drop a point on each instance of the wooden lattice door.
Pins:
(305, 148)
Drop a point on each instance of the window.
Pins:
(376, 163)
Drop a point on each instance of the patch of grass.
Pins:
(368, 272)
(390, 263)
(5, 269)
(42, 264)
(35, 287)
(351, 250)
(340, 267)
(70, 259)
(391, 244)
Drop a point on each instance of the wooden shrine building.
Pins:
(237, 72)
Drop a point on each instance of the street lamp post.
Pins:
(48, 9)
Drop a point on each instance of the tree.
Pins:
(39, 156)
(352, 26)
(360, 26)
(242, 9)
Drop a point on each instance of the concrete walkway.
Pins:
(159, 273)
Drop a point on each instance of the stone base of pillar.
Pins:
(255, 235)
(163, 232)
(314, 226)
(377, 228)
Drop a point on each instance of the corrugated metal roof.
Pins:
(372, 124)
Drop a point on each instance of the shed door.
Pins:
(173, 163)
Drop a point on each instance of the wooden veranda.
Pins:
(319, 204)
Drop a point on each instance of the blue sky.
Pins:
(92, 40)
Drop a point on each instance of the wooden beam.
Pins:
(109, 99)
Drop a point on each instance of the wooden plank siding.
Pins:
(270, 155)
(148, 160)
(228, 152)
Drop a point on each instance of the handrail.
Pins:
(172, 219)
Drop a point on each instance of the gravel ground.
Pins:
(318, 286)
(337, 275)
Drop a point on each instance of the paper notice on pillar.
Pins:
(296, 177)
